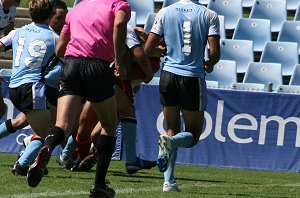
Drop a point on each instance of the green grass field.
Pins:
(195, 181)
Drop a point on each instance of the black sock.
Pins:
(9, 126)
(105, 147)
(55, 136)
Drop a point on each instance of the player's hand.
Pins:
(120, 71)
(208, 67)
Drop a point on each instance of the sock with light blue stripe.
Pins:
(69, 148)
(30, 152)
(182, 139)
(169, 174)
(128, 127)
(6, 129)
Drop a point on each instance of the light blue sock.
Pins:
(169, 174)
(3, 130)
(128, 127)
(30, 152)
(69, 148)
(182, 139)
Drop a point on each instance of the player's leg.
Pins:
(104, 141)
(12, 125)
(126, 112)
(87, 122)
(68, 107)
(2, 104)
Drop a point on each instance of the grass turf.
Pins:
(195, 181)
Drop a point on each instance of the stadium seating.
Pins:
(295, 78)
(132, 21)
(149, 22)
(204, 2)
(222, 27)
(297, 14)
(292, 4)
(257, 87)
(154, 81)
(168, 2)
(247, 3)
(264, 73)
(291, 89)
(285, 53)
(142, 9)
(290, 32)
(274, 10)
(257, 30)
(224, 73)
(232, 10)
(240, 51)
(212, 84)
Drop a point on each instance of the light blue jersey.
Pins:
(33, 46)
(186, 36)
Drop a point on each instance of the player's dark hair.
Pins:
(59, 4)
(40, 10)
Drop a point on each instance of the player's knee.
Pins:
(194, 142)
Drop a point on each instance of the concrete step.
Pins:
(19, 22)
(23, 13)
(5, 64)
(6, 55)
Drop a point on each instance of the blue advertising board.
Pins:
(249, 130)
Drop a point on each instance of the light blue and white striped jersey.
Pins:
(33, 46)
(186, 26)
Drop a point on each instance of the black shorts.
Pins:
(29, 96)
(189, 93)
(52, 95)
(91, 79)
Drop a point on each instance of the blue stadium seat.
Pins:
(274, 10)
(204, 2)
(285, 53)
(290, 32)
(297, 14)
(292, 4)
(295, 78)
(257, 30)
(5, 72)
(232, 10)
(289, 89)
(224, 73)
(212, 84)
(264, 73)
(248, 3)
(222, 27)
(149, 22)
(257, 87)
(132, 21)
(154, 81)
(240, 51)
(142, 9)
(168, 2)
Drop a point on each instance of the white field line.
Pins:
(130, 190)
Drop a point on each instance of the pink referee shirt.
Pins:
(90, 25)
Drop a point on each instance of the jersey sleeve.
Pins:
(214, 24)
(132, 39)
(157, 27)
(7, 40)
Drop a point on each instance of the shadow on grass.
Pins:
(144, 175)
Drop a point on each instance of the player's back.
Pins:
(33, 46)
(186, 27)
